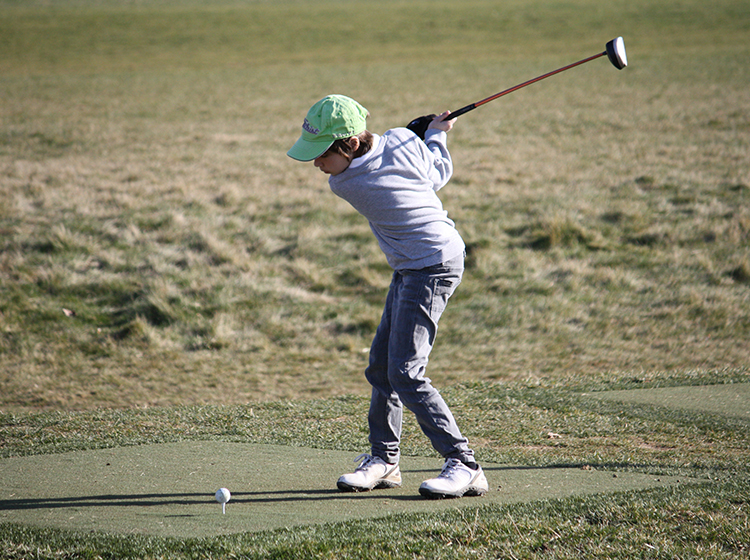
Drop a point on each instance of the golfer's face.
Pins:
(331, 163)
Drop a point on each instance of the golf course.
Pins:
(185, 308)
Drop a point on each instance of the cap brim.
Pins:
(305, 150)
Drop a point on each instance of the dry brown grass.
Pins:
(606, 212)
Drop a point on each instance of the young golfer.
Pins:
(392, 181)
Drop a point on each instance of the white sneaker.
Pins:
(371, 473)
(455, 480)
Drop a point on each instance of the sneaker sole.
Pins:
(344, 487)
(466, 492)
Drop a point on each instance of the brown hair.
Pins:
(344, 147)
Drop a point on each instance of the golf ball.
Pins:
(223, 495)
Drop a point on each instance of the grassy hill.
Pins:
(158, 248)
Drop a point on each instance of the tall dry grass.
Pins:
(145, 190)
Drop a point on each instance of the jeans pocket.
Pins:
(442, 289)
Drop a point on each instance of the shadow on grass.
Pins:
(267, 497)
(185, 499)
(103, 500)
(641, 467)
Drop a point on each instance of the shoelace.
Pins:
(366, 459)
(450, 466)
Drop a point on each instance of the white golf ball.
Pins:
(223, 495)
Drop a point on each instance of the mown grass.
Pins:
(508, 423)
(158, 249)
(708, 521)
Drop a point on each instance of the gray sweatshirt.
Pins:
(394, 186)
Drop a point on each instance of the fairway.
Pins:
(730, 400)
(167, 490)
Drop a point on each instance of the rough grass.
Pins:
(145, 190)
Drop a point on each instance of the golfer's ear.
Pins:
(354, 143)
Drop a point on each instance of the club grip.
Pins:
(462, 111)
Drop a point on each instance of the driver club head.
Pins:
(616, 53)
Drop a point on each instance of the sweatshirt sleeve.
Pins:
(440, 164)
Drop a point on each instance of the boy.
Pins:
(392, 181)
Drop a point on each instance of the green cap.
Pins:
(331, 118)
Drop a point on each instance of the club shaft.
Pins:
(473, 106)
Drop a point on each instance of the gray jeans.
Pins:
(398, 359)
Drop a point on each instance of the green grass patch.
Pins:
(700, 522)
(509, 423)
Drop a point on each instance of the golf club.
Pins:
(615, 51)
